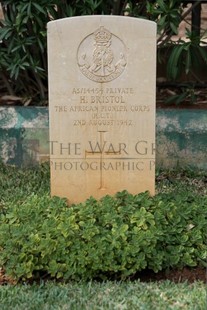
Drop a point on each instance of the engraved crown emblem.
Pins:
(101, 56)
(102, 36)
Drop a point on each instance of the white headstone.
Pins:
(102, 106)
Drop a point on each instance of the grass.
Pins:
(108, 295)
(19, 185)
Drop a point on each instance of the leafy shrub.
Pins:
(23, 38)
(182, 220)
(187, 56)
(116, 236)
(23, 41)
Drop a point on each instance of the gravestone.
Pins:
(101, 106)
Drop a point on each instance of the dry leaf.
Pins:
(27, 102)
(10, 98)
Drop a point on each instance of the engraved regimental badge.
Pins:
(101, 56)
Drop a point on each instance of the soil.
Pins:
(186, 274)
(195, 98)
(4, 279)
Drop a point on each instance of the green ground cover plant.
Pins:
(114, 237)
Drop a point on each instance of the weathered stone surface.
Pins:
(102, 106)
(181, 138)
(24, 135)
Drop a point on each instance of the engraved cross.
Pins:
(101, 151)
